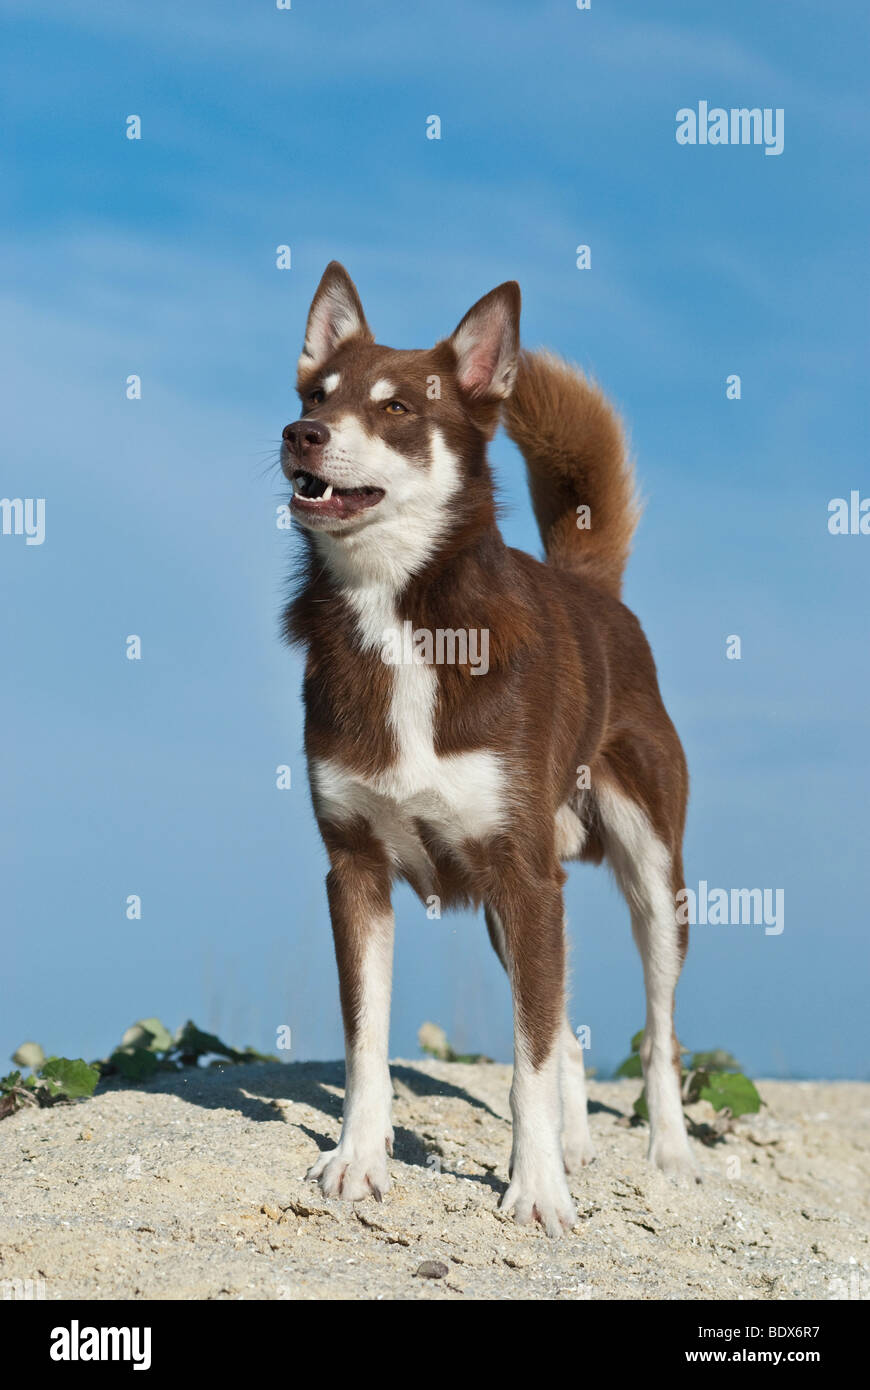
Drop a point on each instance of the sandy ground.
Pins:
(193, 1186)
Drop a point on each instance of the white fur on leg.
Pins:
(642, 867)
(357, 1168)
(544, 1094)
(577, 1146)
(537, 1190)
(669, 1144)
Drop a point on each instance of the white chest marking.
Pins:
(461, 796)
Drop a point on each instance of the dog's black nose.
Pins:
(305, 435)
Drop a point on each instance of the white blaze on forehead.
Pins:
(330, 382)
(382, 390)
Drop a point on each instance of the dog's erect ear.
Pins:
(336, 314)
(487, 342)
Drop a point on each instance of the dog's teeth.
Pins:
(327, 493)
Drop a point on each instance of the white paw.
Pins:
(351, 1173)
(577, 1150)
(542, 1196)
(672, 1156)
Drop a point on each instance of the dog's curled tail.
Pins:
(580, 477)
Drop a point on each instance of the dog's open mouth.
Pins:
(314, 496)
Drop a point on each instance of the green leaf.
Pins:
(134, 1063)
(637, 1040)
(8, 1083)
(640, 1106)
(717, 1060)
(72, 1077)
(630, 1067)
(433, 1041)
(29, 1054)
(149, 1033)
(732, 1091)
(190, 1041)
(250, 1054)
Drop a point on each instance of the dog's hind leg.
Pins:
(577, 1146)
(643, 867)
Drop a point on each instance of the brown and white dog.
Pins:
(466, 783)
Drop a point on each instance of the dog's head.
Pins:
(389, 455)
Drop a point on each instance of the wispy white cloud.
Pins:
(313, 49)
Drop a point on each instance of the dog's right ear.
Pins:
(336, 314)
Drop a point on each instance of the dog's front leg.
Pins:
(358, 886)
(531, 918)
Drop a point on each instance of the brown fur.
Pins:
(572, 680)
(574, 446)
(572, 683)
(358, 891)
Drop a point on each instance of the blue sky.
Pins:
(157, 257)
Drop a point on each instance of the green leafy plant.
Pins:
(149, 1047)
(714, 1076)
(433, 1041)
(49, 1079)
(146, 1048)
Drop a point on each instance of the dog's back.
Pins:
(583, 493)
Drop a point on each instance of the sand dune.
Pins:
(193, 1187)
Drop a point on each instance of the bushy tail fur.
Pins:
(575, 452)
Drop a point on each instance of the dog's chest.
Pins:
(456, 797)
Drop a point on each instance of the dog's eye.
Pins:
(315, 397)
(395, 408)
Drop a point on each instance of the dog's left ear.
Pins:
(487, 343)
(336, 314)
